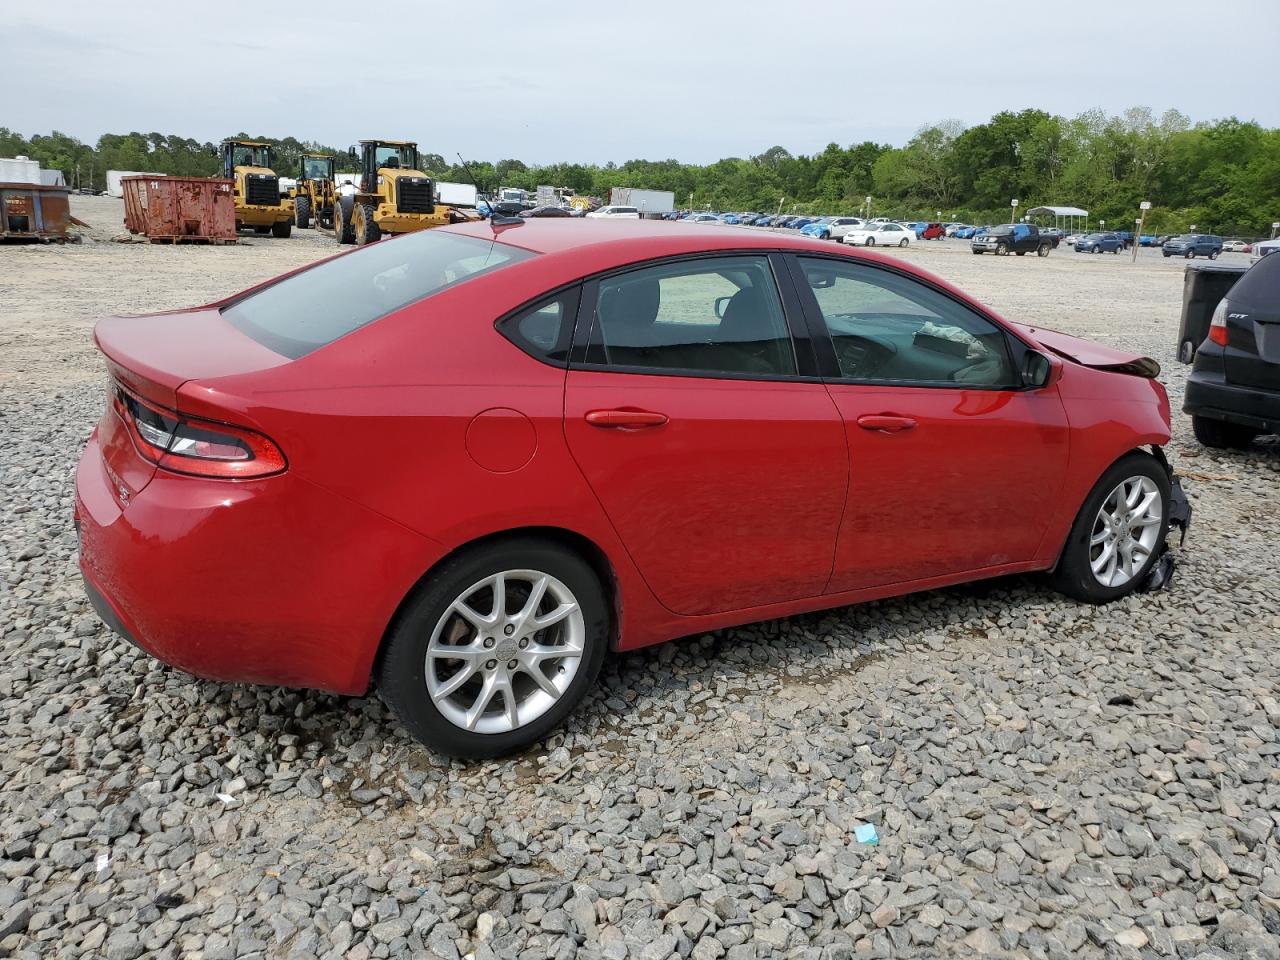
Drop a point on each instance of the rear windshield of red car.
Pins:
(303, 312)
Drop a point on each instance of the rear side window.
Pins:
(545, 329)
(710, 316)
(303, 312)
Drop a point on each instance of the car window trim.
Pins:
(584, 355)
(829, 363)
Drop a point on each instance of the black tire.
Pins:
(401, 668)
(871, 242)
(1187, 351)
(281, 229)
(364, 226)
(1002, 250)
(302, 212)
(1190, 255)
(1073, 575)
(262, 231)
(903, 242)
(1116, 251)
(977, 253)
(1222, 435)
(1042, 250)
(1213, 254)
(342, 208)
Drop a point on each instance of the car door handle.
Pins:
(625, 419)
(886, 423)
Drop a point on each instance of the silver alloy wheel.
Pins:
(1126, 531)
(505, 651)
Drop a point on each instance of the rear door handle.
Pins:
(886, 423)
(625, 419)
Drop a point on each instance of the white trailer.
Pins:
(114, 189)
(652, 202)
(456, 194)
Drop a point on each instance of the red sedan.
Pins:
(465, 464)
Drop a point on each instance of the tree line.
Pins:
(1221, 176)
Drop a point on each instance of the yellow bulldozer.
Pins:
(257, 188)
(314, 195)
(393, 195)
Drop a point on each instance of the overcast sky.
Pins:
(594, 81)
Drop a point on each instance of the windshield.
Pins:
(403, 157)
(307, 310)
(317, 168)
(243, 156)
(1000, 231)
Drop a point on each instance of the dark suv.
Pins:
(1233, 393)
(1192, 245)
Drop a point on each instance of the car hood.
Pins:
(1087, 353)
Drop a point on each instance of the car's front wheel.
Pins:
(1118, 533)
(496, 648)
(1222, 435)
(871, 241)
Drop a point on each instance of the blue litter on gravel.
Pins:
(866, 833)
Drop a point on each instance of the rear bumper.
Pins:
(1209, 395)
(271, 581)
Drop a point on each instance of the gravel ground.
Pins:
(1046, 779)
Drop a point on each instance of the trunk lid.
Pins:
(151, 356)
(1088, 353)
(156, 353)
(1252, 308)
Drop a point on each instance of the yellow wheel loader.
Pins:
(393, 196)
(257, 188)
(313, 196)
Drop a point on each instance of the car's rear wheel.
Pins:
(1213, 254)
(902, 242)
(1222, 435)
(1189, 255)
(871, 241)
(496, 649)
(1118, 533)
(1187, 352)
(1042, 250)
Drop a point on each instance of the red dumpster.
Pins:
(31, 211)
(180, 209)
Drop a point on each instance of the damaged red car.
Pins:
(462, 466)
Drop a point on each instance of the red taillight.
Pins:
(1218, 324)
(201, 448)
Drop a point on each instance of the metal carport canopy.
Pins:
(1059, 211)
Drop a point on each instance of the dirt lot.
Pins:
(1047, 780)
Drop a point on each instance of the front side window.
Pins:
(719, 315)
(889, 327)
(318, 168)
(307, 310)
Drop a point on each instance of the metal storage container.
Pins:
(180, 209)
(30, 211)
(1203, 286)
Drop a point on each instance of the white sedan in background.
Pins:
(618, 213)
(1235, 246)
(880, 235)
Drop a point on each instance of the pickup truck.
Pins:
(1019, 238)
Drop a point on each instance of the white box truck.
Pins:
(456, 194)
(648, 202)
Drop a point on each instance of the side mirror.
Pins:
(1037, 370)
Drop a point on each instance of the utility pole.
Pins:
(1144, 206)
(1013, 217)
